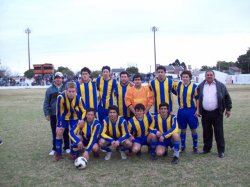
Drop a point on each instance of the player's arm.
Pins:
(174, 87)
(46, 105)
(104, 133)
(174, 128)
(128, 99)
(72, 134)
(94, 137)
(59, 109)
(150, 96)
(196, 100)
(82, 108)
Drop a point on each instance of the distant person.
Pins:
(214, 100)
(49, 109)
(187, 97)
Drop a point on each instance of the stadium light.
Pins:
(28, 31)
(154, 29)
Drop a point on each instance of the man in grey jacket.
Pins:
(214, 99)
(49, 108)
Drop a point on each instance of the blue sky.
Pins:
(77, 33)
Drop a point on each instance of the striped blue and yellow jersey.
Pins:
(166, 126)
(187, 95)
(69, 109)
(140, 128)
(112, 131)
(88, 93)
(106, 90)
(162, 93)
(90, 133)
(120, 96)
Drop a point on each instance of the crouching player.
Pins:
(85, 136)
(166, 129)
(70, 112)
(140, 127)
(114, 132)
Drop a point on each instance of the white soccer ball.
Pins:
(81, 162)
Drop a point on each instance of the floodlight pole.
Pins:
(28, 31)
(154, 29)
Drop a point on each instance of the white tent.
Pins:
(220, 76)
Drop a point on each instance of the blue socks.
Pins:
(183, 140)
(59, 146)
(176, 146)
(195, 140)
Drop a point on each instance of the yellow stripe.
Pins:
(101, 87)
(158, 93)
(91, 96)
(160, 123)
(109, 92)
(137, 126)
(181, 95)
(118, 134)
(82, 89)
(189, 92)
(169, 125)
(146, 125)
(84, 130)
(166, 90)
(68, 108)
(120, 104)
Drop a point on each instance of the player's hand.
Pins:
(171, 113)
(115, 144)
(48, 118)
(80, 123)
(131, 84)
(197, 114)
(131, 138)
(80, 145)
(86, 155)
(227, 114)
(158, 134)
(161, 139)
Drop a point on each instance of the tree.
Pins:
(29, 73)
(176, 63)
(224, 66)
(95, 74)
(243, 62)
(184, 65)
(205, 68)
(132, 70)
(4, 72)
(66, 72)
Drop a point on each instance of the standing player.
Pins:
(114, 132)
(87, 89)
(162, 88)
(106, 87)
(49, 109)
(166, 130)
(187, 99)
(86, 135)
(139, 94)
(139, 127)
(122, 88)
(70, 112)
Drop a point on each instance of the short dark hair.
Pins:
(124, 73)
(164, 104)
(186, 72)
(106, 67)
(209, 71)
(136, 76)
(139, 106)
(113, 107)
(90, 110)
(161, 67)
(85, 69)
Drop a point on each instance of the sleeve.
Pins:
(152, 128)
(174, 87)
(93, 138)
(59, 110)
(130, 128)
(129, 97)
(46, 104)
(228, 101)
(72, 134)
(78, 90)
(116, 90)
(82, 108)
(104, 132)
(125, 133)
(174, 128)
(150, 96)
(196, 95)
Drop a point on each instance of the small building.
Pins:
(42, 69)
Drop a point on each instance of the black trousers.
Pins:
(213, 121)
(53, 123)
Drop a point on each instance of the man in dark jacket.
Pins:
(214, 99)
(49, 108)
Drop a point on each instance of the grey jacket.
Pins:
(224, 99)
(49, 104)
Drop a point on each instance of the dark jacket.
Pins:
(224, 99)
(49, 104)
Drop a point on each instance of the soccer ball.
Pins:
(81, 162)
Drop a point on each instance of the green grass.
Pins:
(24, 159)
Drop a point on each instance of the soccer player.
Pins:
(70, 112)
(187, 113)
(114, 132)
(162, 89)
(140, 127)
(139, 94)
(122, 88)
(86, 135)
(106, 87)
(166, 129)
(49, 109)
(86, 88)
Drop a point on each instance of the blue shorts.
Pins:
(187, 116)
(67, 123)
(141, 140)
(167, 142)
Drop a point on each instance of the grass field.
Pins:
(24, 159)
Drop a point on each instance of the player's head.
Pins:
(139, 110)
(124, 77)
(161, 72)
(137, 79)
(90, 114)
(106, 72)
(58, 78)
(209, 76)
(71, 90)
(113, 112)
(85, 73)
(186, 76)
(163, 109)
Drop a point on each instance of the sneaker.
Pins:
(195, 150)
(108, 156)
(58, 157)
(183, 149)
(221, 155)
(67, 151)
(1, 141)
(123, 155)
(52, 152)
(175, 160)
